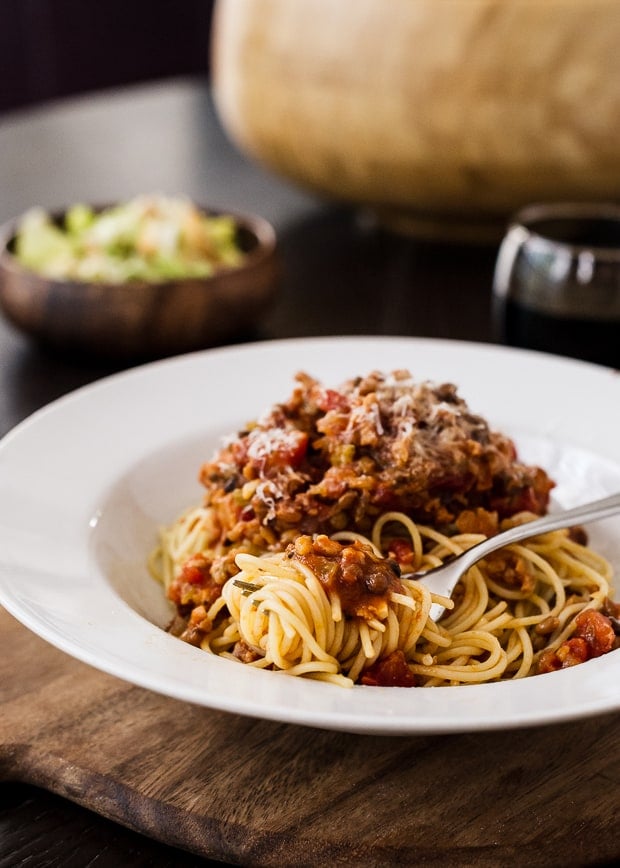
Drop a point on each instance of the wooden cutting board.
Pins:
(262, 793)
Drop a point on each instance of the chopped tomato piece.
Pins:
(392, 671)
(573, 652)
(195, 570)
(594, 635)
(597, 631)
(401, 550)
(329, 399)
(194, 585)
(276, 448)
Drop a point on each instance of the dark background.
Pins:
(56, 48)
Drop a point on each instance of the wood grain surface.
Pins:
(256, 792)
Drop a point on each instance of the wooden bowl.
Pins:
(141, 320)
(446, 115)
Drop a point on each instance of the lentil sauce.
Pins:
(361, 580)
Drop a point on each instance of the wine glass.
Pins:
(556, 286)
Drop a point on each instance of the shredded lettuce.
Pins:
(152, 238)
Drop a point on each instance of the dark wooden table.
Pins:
(342, 274)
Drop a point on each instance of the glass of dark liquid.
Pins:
(557, 281)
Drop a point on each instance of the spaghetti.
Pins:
(281, 569)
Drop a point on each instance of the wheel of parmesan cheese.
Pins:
(436, 113)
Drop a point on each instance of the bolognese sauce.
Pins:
(361, 580)
(318, 515)
(328, 460)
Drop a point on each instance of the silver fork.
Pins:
(442, 580)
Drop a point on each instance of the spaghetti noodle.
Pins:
(281, 569)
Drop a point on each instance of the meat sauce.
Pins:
(328, 460)
(363, 583)
(594, 636)
(391, 671)
(361, 580)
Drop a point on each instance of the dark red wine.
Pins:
(597, 232)
(593, 340)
